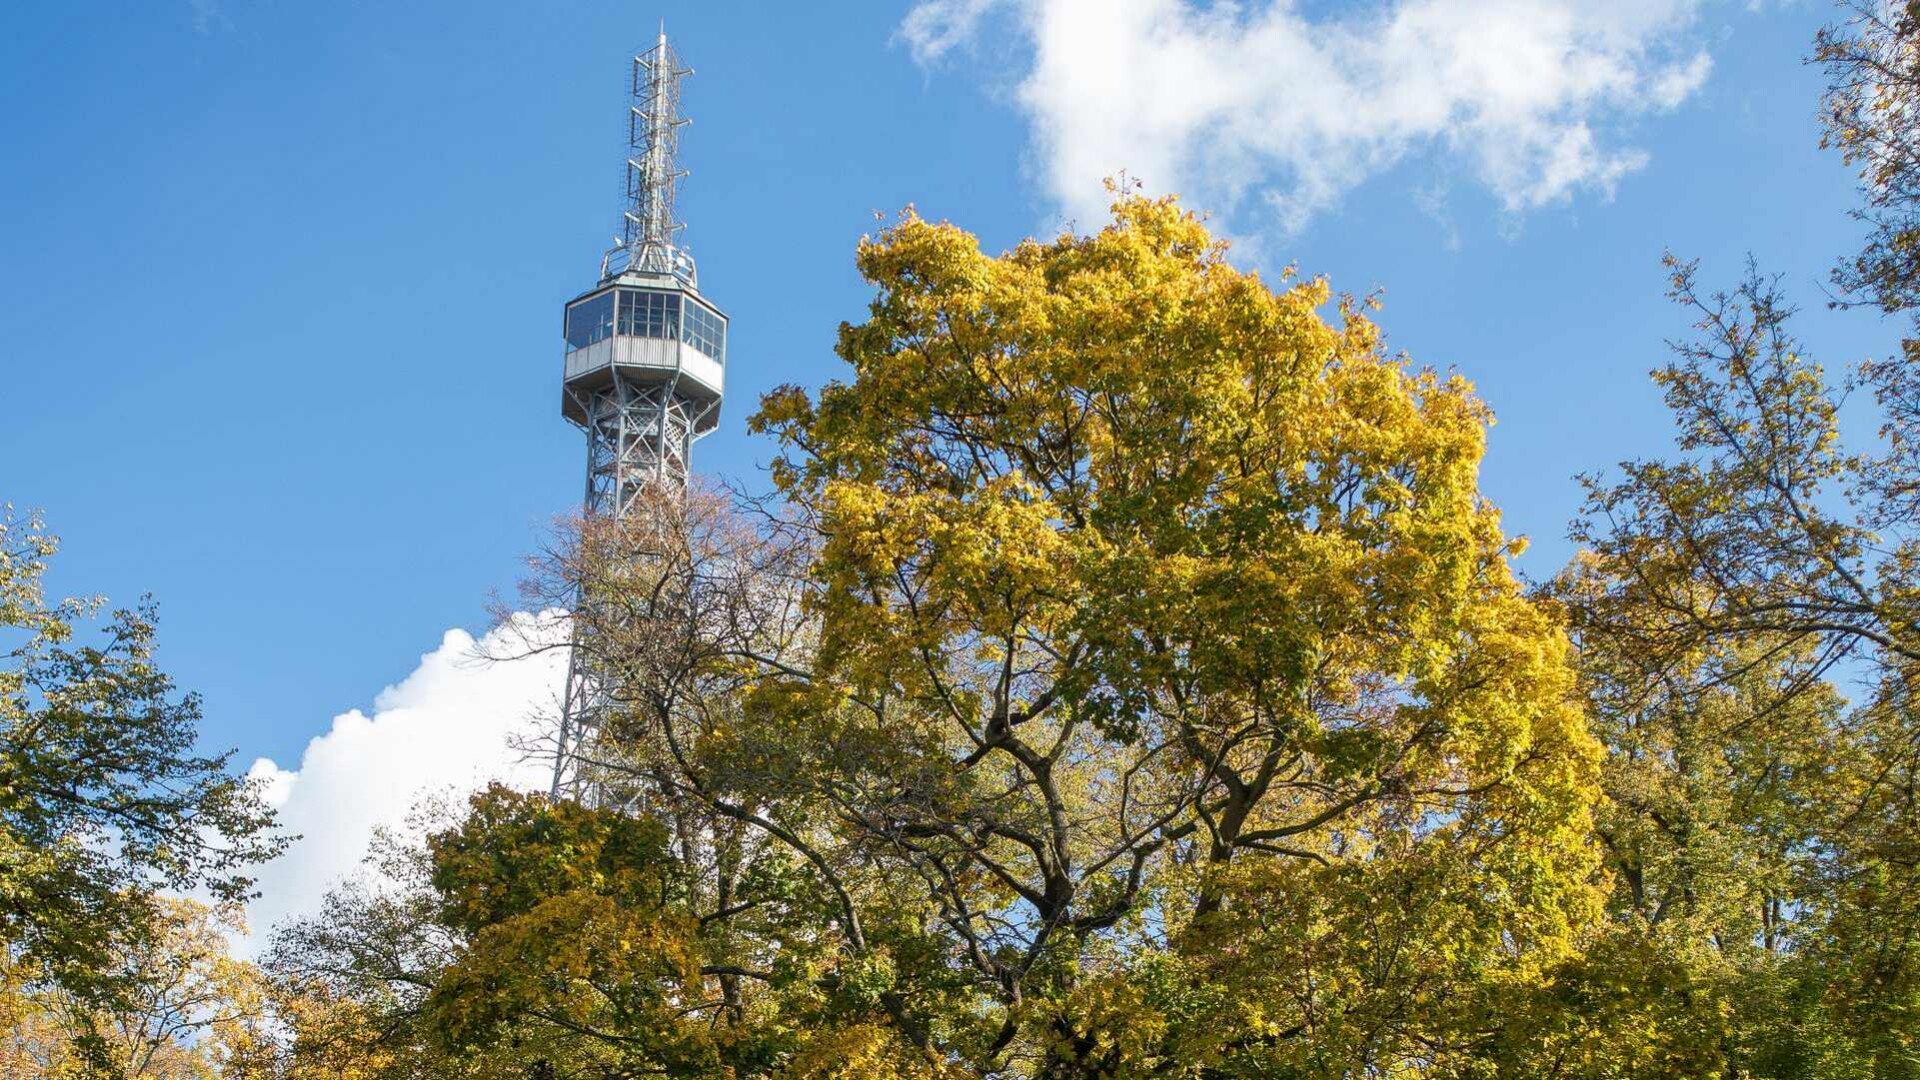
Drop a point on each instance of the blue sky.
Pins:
(283, 281)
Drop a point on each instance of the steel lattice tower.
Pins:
(645, 361)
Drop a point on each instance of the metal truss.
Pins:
(638, 437)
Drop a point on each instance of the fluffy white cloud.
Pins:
(449, 727)
(1264, 105)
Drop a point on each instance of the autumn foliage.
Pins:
(1130, 681)
(1124, 677)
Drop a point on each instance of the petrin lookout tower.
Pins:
(646, 354)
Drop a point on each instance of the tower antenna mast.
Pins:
(649, 226)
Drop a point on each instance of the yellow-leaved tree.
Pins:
(1168, 652)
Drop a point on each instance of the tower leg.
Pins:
(638, 436)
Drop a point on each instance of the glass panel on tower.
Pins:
(589, 321)
(706, 331)
(649, 314)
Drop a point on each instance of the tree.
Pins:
(573, 918)
(103, 801)
(1163, 637)
(685, 606)
(349, 982)
(1871, 114)
(541, 938)
(1868, 113)
(190, 1010)
(1758, 822)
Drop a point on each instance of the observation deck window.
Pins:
(706, 331)
(589, 321)
(642, 313)
(649, 314)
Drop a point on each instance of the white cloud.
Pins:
(448, 727)
(934, 27)
(1261, 104)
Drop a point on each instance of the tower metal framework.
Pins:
(644, 370)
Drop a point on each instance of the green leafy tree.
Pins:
(541, 938)
(349, 983)
(1764, 827)
(1871, 114)
(103, 800)
(572, 918)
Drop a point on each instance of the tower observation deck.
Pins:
(646, 358)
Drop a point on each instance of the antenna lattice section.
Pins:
(649, 225)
